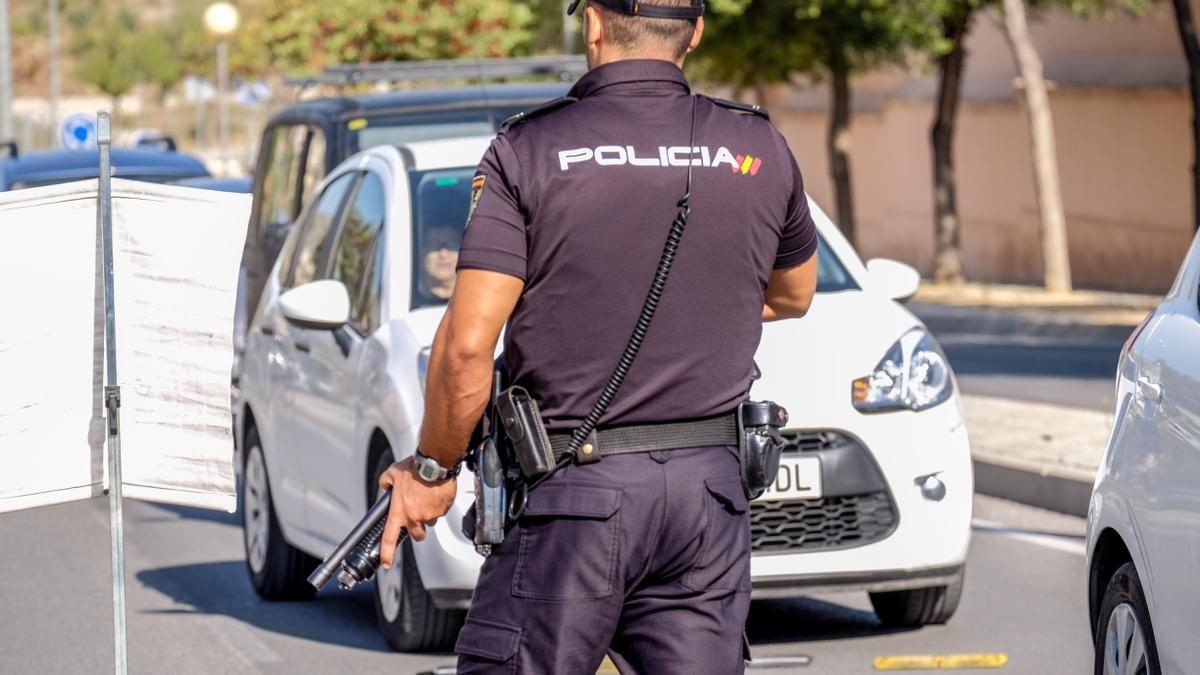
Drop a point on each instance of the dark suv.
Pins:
(302, 142)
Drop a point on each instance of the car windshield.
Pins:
(368, 132)
(440, 201)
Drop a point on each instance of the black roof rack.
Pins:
(561, 67)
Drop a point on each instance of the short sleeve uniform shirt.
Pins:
(577, 203)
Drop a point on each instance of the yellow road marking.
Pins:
(941, 662)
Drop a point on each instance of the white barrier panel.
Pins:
(176, 258)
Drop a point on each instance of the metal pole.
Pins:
(112, 398)
(568, 29)
(223, 99)
(6, 81)
(55, 73)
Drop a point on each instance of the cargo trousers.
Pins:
(643, 556)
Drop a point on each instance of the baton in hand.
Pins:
(356, 559)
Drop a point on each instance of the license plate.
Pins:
(799, 478)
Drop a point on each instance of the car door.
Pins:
(330, 397)
(291, 164)
(1168, 511)
(312, 247)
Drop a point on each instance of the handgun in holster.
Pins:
(759, 444)
(489, 461)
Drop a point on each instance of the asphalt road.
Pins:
(1030, 356)
(191, 608)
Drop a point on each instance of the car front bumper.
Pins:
(925, 545)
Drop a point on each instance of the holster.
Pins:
(522, 421)
(759, 444)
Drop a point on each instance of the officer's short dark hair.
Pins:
(632, 33)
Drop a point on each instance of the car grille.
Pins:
(809, 441)
(821, 524)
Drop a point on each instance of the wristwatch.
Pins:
(430, 471)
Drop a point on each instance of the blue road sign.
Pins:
(79, 132)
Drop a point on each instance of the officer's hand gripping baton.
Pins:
(356, 559)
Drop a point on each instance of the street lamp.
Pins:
(221, 19)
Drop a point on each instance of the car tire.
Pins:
(407, 616)
(278, 570)
(918, 606)
(1124, 628)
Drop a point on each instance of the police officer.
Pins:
(643, 554)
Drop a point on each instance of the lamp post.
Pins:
(221, 19)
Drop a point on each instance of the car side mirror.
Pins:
(319, 305)
(893, 278)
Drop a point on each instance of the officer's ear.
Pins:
(593, 26)
(696, 35)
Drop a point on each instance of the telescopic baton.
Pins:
(356, 559)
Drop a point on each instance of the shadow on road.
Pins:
(811, 620)
(223, 588)
(190, 513)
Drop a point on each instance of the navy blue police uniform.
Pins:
(645, 555)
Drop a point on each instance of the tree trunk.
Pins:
(839, 148)
(1056, 260)
(1187, 36)
(947, 262)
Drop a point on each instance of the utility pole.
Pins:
(568, 29)
(6, 81)
(55, 73)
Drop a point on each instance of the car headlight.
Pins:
(913, 375)
(423, 365)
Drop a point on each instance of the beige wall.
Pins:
(1122, 124)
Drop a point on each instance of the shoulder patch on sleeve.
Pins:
(536, 111)
(743, 107)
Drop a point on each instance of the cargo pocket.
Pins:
(487, 644)
(724, 559)
(570, 537)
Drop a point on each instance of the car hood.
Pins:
(807, 364)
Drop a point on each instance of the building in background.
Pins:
(1122, 119)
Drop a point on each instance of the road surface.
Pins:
(192, 610)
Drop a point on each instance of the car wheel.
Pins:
(408, 619)
(918, 606)
(278, 570)
(1124, 637)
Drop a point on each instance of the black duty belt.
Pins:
(718, 430)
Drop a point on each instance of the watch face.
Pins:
(428, 472)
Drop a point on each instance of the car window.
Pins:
(356, 249)
(440, 200)
(280, 203)
(314, 164)
(367, 132)
(313, 244)
(831, 273)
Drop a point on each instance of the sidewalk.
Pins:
(1080, 307)
(1035, 453)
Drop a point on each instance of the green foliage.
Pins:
(106, 52)
(754, 42)
(300, 35)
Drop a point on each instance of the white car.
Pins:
(875, 493)
(1144, 519)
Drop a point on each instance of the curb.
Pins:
(1059, 489)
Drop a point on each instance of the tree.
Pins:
(1186, 25)
(750, 44)
(1056, 262)
(106, 52)
(955, 18)
(298, 35)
